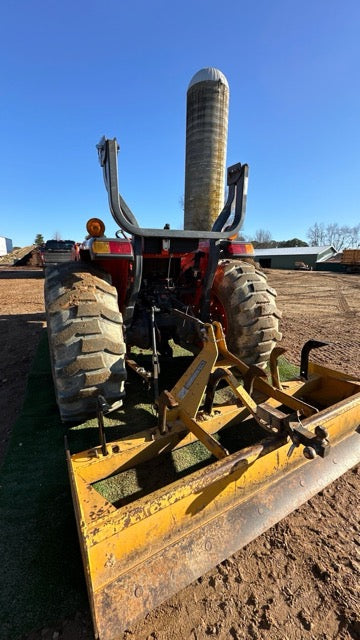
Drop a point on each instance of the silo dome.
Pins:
(208, 74)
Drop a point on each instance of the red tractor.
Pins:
(146, 287)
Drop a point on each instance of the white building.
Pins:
(6, 246)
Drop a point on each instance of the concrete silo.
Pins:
(206, 140)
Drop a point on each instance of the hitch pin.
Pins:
(102, 408)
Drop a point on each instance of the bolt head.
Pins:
(138, 591)
(309, 453)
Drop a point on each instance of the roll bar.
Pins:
(237, 180)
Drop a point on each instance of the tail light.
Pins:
(237, 249)
(112, 248)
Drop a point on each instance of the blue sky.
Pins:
(73, 71)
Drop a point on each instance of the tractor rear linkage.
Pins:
(269, 418)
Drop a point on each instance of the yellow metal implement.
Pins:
(139, 554)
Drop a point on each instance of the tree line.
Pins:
(320, 234)
(339, 236)
(263, 240)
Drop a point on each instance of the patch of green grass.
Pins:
(41, 570)
(287, 370)
(40, 561)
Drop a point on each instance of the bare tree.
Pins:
(334, 235)
(354, 236)
(262, 236)
(339, 237)
(316, 234)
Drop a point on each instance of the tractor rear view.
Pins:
(147, 289)
(130, 288)
(200, 289)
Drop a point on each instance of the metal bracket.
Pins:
(252, 373)
(305, 351)
(274, 369)
(103, 408)
(213, 382)
(165, 401)
(315, 443)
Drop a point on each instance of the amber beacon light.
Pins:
(95, 227)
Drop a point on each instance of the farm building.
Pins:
(5, 246)
(334, 263)
(293, 257)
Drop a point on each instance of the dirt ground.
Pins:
(22, 318)
(323, 306)
(301, 578)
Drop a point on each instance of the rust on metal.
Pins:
(144, 586)
(137, 555)
(274, 369)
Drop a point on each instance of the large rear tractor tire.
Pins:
(86, 341)
(245, 304)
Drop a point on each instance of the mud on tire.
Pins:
(251, 316)
(86, 341)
